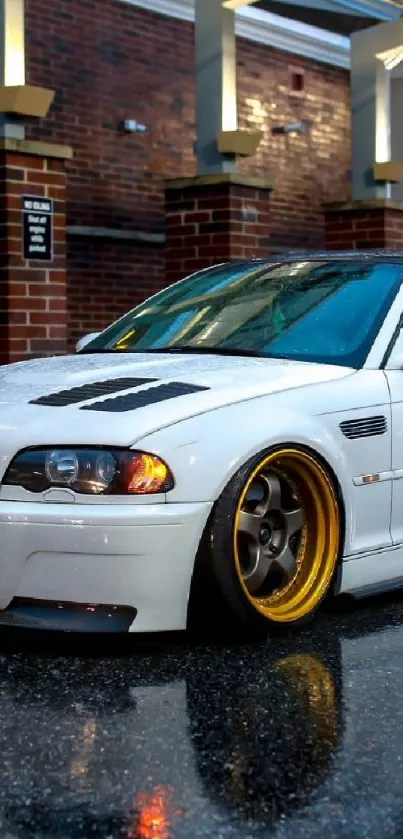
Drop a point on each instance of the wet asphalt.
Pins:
(299, 736)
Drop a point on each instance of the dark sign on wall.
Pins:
(37, 216)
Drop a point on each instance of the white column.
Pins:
(397, 130)
(374, 52)
(12, 58)
(216, 90)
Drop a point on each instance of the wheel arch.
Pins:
(198, 574)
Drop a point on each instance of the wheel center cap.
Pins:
(264, 534)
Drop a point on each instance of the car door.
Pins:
(394, 374)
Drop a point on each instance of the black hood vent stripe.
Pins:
(143, 398)
(90, 391)
(367, 427)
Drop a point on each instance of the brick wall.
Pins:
(212, 223)
(368, 227)
(106, 279)
(32, 295)
(110, 61)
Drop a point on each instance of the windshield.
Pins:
(320, 311)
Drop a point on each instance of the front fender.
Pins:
(204, 452)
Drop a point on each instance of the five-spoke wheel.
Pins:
(286, 535)
(270, 526)
(272, 544)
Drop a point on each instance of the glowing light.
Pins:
(14, 39)
(122, 344)
(154, 813)
(370, 479)
(147, 474)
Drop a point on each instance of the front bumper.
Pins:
(135, 560)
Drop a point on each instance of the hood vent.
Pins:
(90, 391)
(143, 398)
(367, 427)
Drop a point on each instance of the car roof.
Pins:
(384, 254)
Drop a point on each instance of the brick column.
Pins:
(32, 293)
(214, 218)
(362, 225)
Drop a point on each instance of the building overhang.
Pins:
(315, 29)
(272, 30)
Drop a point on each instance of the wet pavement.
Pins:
(297, 737)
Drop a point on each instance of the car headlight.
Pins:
(90, 471)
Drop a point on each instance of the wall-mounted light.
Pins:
(300, 127)
(131, 126)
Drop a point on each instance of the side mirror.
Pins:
(86, 339)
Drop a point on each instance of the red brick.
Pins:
(46, 289)
(31, 304)
(194, 218)
(24, 161)
(18, 346)
(57, 276)
(17, 289)
(56, 304)
(17, 317)
(46, 178)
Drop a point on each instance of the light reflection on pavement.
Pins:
(297, 737)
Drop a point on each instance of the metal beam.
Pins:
(216, 93)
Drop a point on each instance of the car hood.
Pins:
(226, 379)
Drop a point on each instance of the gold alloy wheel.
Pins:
(286, 535)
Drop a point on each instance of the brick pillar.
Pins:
(362, 225)
(32, 292)
(214, 218)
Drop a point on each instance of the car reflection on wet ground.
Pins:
(297, 737)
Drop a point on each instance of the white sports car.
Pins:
(234, 445)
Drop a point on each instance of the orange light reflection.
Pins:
(153, 814)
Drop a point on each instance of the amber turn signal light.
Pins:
(146, 473)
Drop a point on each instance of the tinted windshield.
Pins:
(327, 312)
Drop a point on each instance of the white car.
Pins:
(233, 447)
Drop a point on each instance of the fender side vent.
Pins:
(143, 398)
(90, 391)
(367, 427)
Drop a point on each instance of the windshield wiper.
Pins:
(183, 348)
(97, 352)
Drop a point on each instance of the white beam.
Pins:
(236, 4)
(262, 27)
(216, 94)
